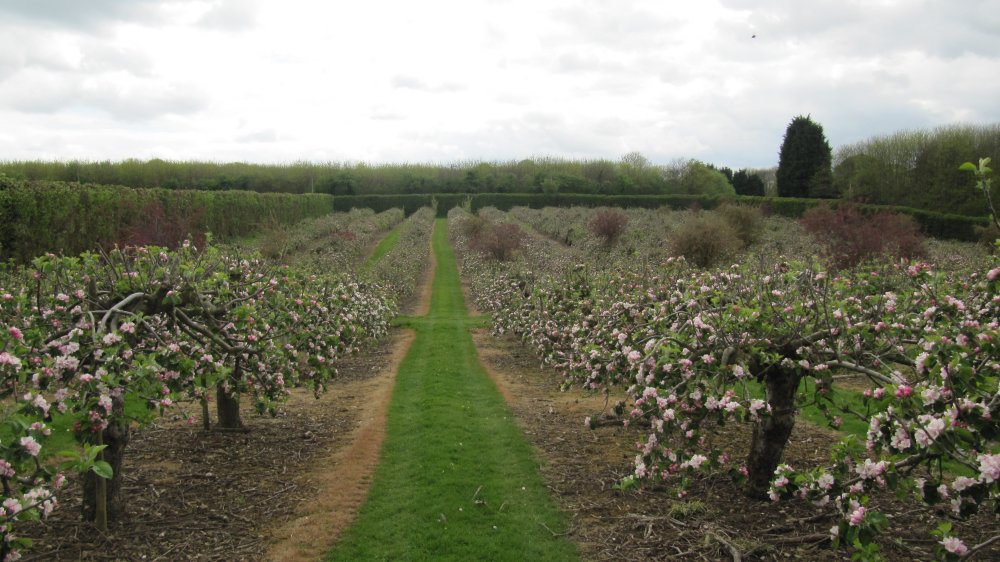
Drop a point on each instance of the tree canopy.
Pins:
(804, 163)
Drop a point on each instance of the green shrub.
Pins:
(987, 236)
(746, 220)
(704, 239)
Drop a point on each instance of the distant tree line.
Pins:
(918, 168)
(633, 174)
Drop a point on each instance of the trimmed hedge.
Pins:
(39, 217)
(938, 225)
(48, 216)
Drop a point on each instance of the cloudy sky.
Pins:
(447, 81)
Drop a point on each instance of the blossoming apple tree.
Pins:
(86, 337)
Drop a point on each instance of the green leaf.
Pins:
(968, 166)
(93, 450)
(942, 529)
(103, 469)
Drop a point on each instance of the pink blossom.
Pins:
(40, 403)
(696, 461)
(105, 402)
(12, 506)
(930, 395)
(993, 274)
(961, 483)
(903, 391)
(870, 469)
(825, 481)
(8, 359)
(989, 468)
(901, 440)
(30, 445)
(857, 516)
(954, 545)
(15, 333)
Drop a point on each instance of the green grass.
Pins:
(852, 425)
(457, 480)
(387, 243)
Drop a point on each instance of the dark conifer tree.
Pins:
(804, 163)
(747, 183)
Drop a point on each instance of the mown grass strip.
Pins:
(387, 243)
(456, 480)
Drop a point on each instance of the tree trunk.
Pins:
(771, 435)
(227, 402)
(206, 419)
(116, 437)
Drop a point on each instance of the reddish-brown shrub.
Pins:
(159, 225)
(608, 224)
(499, 241)
(849, 237)
(473, 226)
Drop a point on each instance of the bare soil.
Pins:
(340, 479)
(714, 521)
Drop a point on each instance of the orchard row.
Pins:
(94, 344)
(698, 349)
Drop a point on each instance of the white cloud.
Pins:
(504, 79)
(231, 15)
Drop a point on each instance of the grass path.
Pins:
(387, 243)
(457, 480)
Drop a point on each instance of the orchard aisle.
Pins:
(456, 479)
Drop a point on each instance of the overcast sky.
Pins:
(447, 81)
